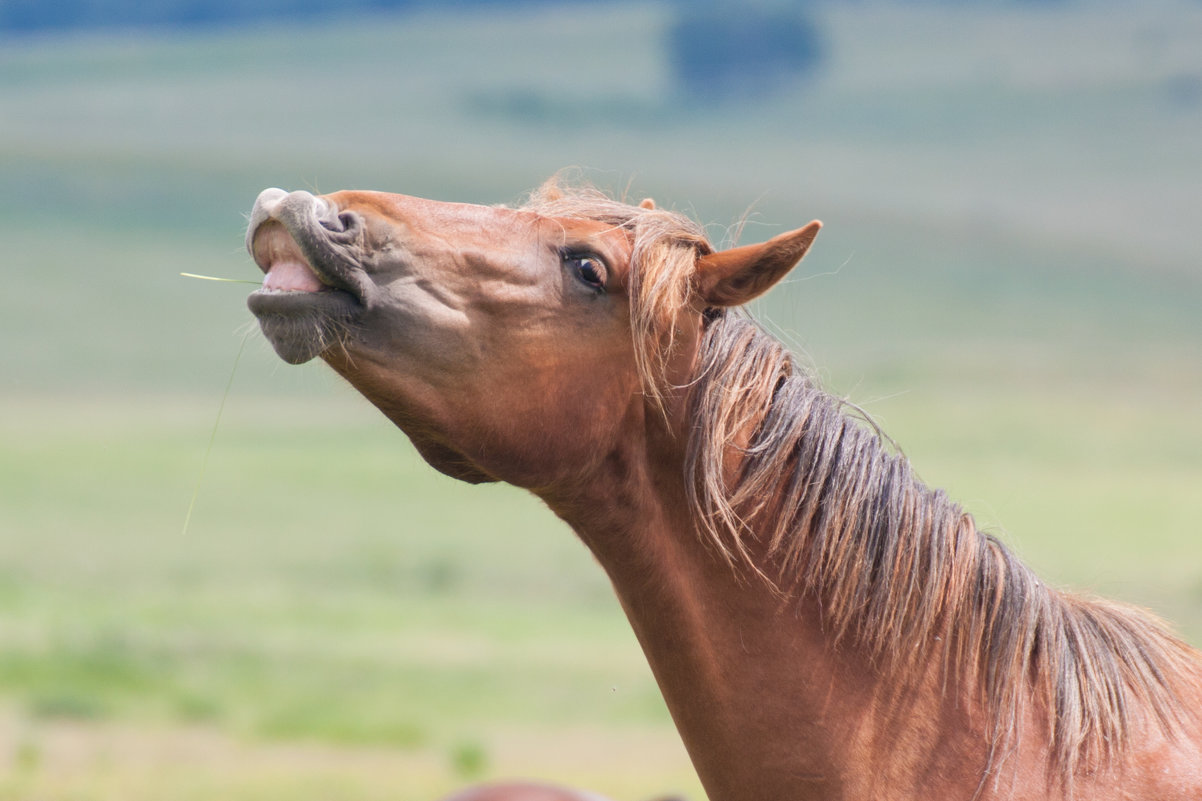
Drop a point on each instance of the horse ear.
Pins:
(648, 204)
(733, 277)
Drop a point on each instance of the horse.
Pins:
(821, 624)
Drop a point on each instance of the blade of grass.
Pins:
(204, 462)
(223, 280)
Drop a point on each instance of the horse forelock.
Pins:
(819, 505)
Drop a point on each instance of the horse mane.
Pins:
(818, 505)
(899, 569)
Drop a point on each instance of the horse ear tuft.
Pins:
(733, 277)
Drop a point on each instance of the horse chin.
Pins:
(303, 325)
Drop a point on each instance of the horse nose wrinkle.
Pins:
(338, 223)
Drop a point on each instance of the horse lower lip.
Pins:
(301, 296)
(301, 325)
(270, 290)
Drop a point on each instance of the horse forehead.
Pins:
(478, 228)
(585, 233)
(419, 214)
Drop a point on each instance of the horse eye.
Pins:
(589, 270)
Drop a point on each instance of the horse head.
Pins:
(505, 342)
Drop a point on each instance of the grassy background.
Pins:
(1009, 281)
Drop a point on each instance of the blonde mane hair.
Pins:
(820, 506)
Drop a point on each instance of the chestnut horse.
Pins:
(821, 624)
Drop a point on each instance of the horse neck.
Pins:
(886, 682)
(766, 706)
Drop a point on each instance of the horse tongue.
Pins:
(291, 276)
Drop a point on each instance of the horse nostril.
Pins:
(344, 223)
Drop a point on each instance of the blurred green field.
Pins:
(1010, 282)
(329, 589)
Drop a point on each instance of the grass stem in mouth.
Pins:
(223, 280)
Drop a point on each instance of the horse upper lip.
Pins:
(276, 204)
(278, 255)
(314, 232)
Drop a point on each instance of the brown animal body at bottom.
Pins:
(529, 791)
(821, 623)
(522, 791)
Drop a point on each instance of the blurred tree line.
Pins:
(718, 50)
(27, 16)
(30, 16)
(760, 24)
